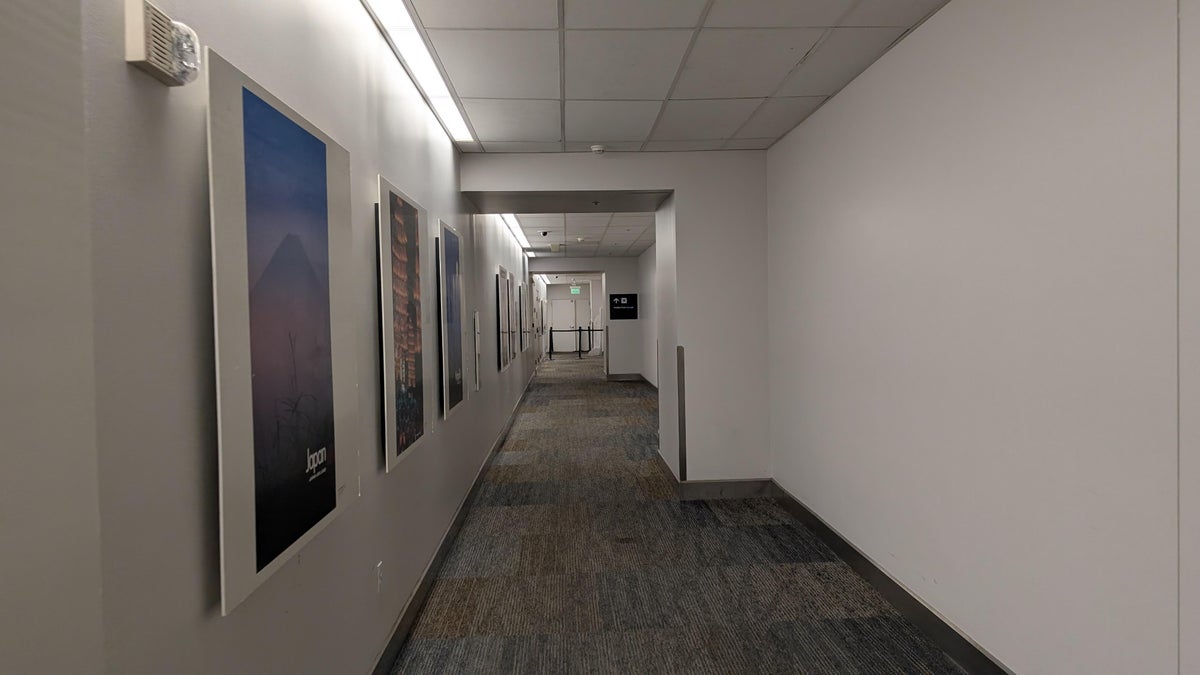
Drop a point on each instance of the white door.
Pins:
(562, 317)
(583, 318)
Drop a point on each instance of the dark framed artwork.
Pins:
(503, 286)
(282, 299)
(450, 281)
(478, 348)
(401, 224)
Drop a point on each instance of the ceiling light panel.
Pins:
(500, 63)
(838, 60)
(394, 17)
(630, 65)
(632, 13)
(792, 13)
(514, 227)
(738, 63)
(487, 13)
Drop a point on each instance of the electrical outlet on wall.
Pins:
(379, 577)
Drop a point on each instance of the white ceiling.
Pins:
(603, 234)
(560, 75)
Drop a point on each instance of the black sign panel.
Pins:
(622, 306)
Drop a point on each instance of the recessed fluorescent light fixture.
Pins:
(397, 24)
(515, 227)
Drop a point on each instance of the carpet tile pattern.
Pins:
(577, 557)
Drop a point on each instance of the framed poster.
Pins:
(502, 334)
(478, 349)
(450, 274)
(523, 311)
(282, 299)
(401, 223)
(512, 318)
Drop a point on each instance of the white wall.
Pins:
(974, 379)
(620, 276)
(717, 279)
(153, 346)
(50, 618)
(648, 314)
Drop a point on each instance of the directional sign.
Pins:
(622, 306)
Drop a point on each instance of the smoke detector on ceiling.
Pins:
(598, 149)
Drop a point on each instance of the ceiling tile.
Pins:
(762, 13)
(683, 146)
(610, 120)
(777, 116)
(692, 120)
(540, 220)
(499, 63)
(609, 146)
(749, 143)
(839, 59)
(903, 13)
(586, 219)
(512, 120)
(636, 221)
(733, 63)
(632, 13)
(623, 64)
(520, 146)
(487, 13)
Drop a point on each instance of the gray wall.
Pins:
(972, 258)
(135, 306)
(49, 528)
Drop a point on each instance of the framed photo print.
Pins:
(401, 225)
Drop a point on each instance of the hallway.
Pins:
(576, 556)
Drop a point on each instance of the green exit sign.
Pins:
(575, 290)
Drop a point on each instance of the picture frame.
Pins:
(503, 286)
(401, 224)
(450, 318)
(283, 281)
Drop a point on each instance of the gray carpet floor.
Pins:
(576, 557)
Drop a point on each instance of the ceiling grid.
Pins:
(666, 75)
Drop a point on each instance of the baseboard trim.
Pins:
(969, 655)
(627, 377)
(383, 666)
(755, 488)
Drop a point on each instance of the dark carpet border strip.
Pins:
(627, 377)
(693, 490)
(969, 656)
(409, 615)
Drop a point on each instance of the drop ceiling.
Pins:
(588, 235)
(562, 75)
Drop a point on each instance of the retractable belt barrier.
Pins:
(579, 350)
